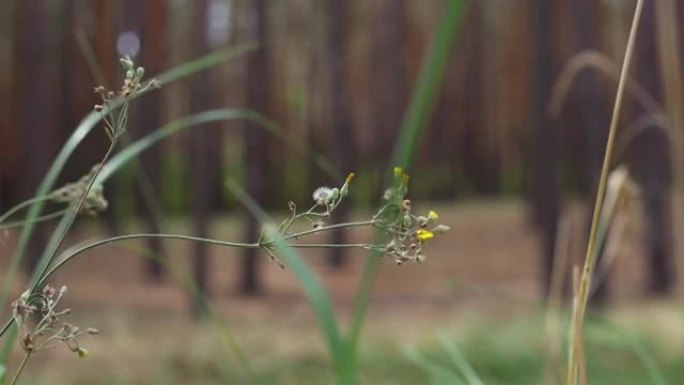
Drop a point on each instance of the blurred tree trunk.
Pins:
(256, 158)
(447, 139)
(105, 51)
(8, 135)
(651, 164)
(479, 169)
(587, 114)
(341, 114)
(387, 80)
(200, 165)
(317, 88)
(544, 186)
(148, 118)
(78, 81)
(36, 113)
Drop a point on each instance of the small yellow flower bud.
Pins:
(398, 172)
(424, 235)
(432, 215)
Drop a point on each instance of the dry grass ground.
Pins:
(484, 272)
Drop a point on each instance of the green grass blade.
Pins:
(319, 299)
(86, 125)
(428, 85)
(440, 374)
(413, 126)
(460, 361)
(178, 125)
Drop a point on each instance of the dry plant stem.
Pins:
(582, 296)
(21, 369)
(217, 242)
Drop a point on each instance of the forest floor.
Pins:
(484, 272)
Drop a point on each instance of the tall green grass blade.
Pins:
(86, 125)
(440, 374)
(460, 361)
(319, 299)
(428, 85)
(175, 126)
(413, 126)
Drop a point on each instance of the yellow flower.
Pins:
(432, 215)
(424, 235)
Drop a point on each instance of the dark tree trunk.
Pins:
(588, 114)
(388, 84)
(152, 58)
(8, 135)
(257, 98)
(106, 59)
(651, 164)
(35, 88)
(544, 186)
(200, 165)
(341, 114)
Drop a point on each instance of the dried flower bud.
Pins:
(322, 195)
(126, 63)
(406, 205)
(441, 229)
(407, 221)
(82, 353)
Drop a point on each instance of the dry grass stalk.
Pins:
(582, 293)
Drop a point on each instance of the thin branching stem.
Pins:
(77, 208)
(210, 241)
(21, 368)
(582, 296)
(11, 225)
(324, 228)
(22, 205)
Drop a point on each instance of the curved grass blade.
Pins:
(319, 299)
(175, 126)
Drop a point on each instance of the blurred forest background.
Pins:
(520, 121)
